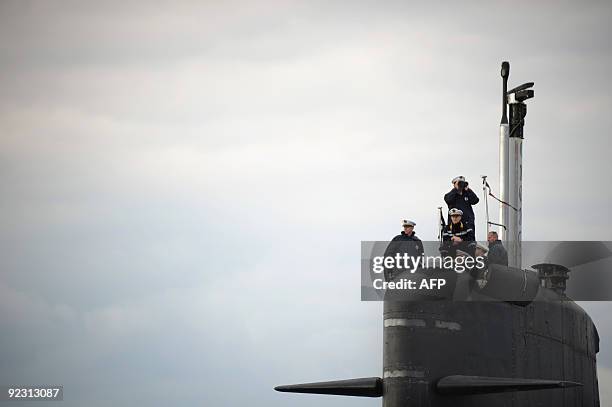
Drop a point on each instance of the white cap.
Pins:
(455, 211)
(408, 223)
(458, 178)
(482, 247)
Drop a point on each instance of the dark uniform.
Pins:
(497, 253)
(413, 249)
(465, 231)
(400, 244)
(462, 201)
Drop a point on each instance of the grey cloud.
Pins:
(143, 144)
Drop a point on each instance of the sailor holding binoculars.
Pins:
(461, 197)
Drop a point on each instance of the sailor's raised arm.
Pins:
(451, 197)
(472, 197)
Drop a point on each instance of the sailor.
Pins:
(458, 230)
(462, 197)
(479, 269)
(497, 251)
(479, 256)
(458, 234)
(406, 242)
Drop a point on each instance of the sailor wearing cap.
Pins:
(404, 243)
(408, 232)
(462, 197)
(479, 272)
(458, 230)
(457, 233)
(408, 235)
(408, 223)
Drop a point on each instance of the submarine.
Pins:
(515, 339)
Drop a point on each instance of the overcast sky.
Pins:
(184, 185)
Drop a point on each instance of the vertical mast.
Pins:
(503, 152)
(511, 166)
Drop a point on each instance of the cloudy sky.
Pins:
(184, 185)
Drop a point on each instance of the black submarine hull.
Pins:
(452, 353)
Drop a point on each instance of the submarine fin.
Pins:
(364, 387)
(485, 384)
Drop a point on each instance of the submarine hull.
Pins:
(474, 344)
